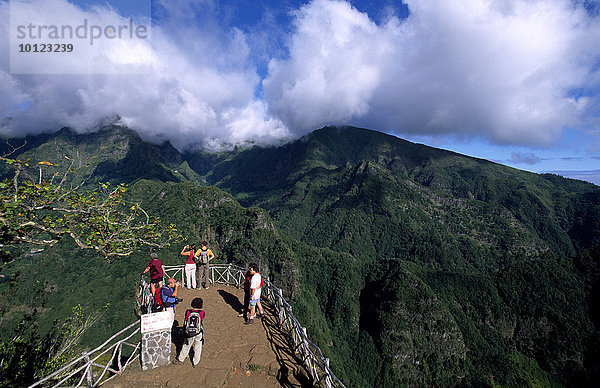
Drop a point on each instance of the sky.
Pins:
(512, 81)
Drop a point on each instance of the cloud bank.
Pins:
(199, 92)
(588, 176)
(510, 71)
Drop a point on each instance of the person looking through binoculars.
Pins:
(169, 296)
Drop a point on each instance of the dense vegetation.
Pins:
(478, 259)
(409, 265)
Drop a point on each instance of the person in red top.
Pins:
(157, 272)
(194, 333)
(190, 265)
(246, 310)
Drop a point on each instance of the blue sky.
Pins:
(513, 81)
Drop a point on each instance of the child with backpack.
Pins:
(193, 332)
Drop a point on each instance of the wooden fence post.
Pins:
(328, 382)
(308, 361)
(280, 305)
(119, 356)
(88, 371)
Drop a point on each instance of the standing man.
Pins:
(157, 272)
(204, 256)
(256, 284)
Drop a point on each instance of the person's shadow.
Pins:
(232, 300)
(177, 336)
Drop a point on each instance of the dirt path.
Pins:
(234, 354)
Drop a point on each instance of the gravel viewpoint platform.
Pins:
(234, 354)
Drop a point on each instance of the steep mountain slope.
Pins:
(409, 265)
(46, 285)
(377, 196)
(464, 224)
(55, 280)
(66, 149)
(114, 153)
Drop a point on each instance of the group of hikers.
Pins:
(196, 268)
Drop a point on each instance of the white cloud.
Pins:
(198, 79)
(592, 176)
(497, 69)
(511, 71)
(334, 67)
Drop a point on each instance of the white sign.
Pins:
(156, 321)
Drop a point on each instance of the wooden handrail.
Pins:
(314, 361)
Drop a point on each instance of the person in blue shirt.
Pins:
(169, 296)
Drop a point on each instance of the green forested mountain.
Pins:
(466, 240)
(409, 265)
(365, 189)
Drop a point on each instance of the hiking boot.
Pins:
(177, 362)
(240, 315)
(249, 322)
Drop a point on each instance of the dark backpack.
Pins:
(193, 324)
(203, 257)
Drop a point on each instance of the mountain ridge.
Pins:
(442, 176)
(340, 168)
(387, 249)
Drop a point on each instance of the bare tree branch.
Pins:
(101, 219)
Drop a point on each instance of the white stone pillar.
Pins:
(156, 339)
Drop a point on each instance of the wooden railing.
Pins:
(96, 367)
(228, 274)
(310, 354)
(89, 372)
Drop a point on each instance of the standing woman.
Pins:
(190, 265)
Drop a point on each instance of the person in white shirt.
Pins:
(256, 283)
